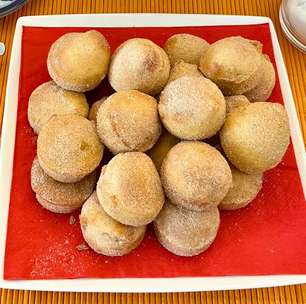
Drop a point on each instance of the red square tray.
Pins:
(267, 237)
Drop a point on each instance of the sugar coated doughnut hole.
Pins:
(104, 234)
(139, 64)
(185, 232)
(195, 175)
(79, 61)
(129, 189)
(255, 137)
(186, 47)
(49, 99)
(128, 121)
(192, 108)
(68, 148)
(234, 64)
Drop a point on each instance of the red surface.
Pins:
(267, 237)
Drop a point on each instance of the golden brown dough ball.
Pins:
(244, 189)
(129, 189)
(128, 121)
(234, 102)
(48, 99)
(159, 151)
(68, 148)
(263, 90)
(192, 108)
(94, 109)
(105, 235)
(186, 232)
(186, 47)
(139, 64)
(255, 138)
(182, 68)
(60, 197)
(195, 175)
(234, 64)
(79, 61)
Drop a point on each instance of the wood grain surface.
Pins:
(296, 67)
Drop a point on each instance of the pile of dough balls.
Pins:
(189, 128)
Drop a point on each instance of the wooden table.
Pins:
(296, 67)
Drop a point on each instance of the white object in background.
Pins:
(5, 3)
(292, 16)
(2, 48)
(7, 153)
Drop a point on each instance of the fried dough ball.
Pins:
(129, 189)
(255, 137)
(244, 189)
(79, 61)
(185, 232)
(128, 121)
(195, 175)
(263, 90)
(60, 197)
(186, 47)
(93, 111)
(48, 99)
(182, 68)
(104, 234)
(159, 151)
(68, 148)
(234, 64)
(234, 102)
(192, 108)
(139, 64)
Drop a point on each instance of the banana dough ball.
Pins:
(255, 138)
(68, 148)
(165, 142)
(192, 108)
(79, 61)
(60, 197)
(186, 47)
(195, 175)
(186, 232)
(182, 68)
(234, 102)
(48, 99)
(263, 90)
(234, 64)
(94, 109)
(139, 64)
(105, 235)
(128, 121)
(244, 189)
(130, 190)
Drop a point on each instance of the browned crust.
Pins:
(129, 189)
(147, 72)
(68, 148)
(184, 232)
(129, 121)
(65, 77)
(185, 177)
(73, 194)
(186, 47)
(104, 234)
(256, 137)
(57, 208)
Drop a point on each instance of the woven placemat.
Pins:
(296, 67)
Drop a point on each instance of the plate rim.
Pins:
(176, 284)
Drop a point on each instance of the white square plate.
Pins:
(8, 141)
